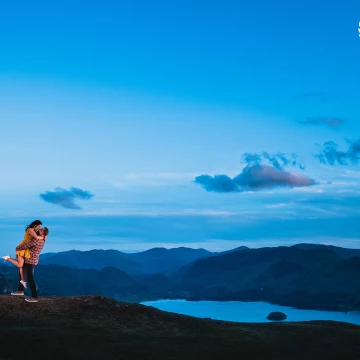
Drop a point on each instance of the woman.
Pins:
(30, 233)
(35, 246)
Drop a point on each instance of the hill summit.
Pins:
(92, 326)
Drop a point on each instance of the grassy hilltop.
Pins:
(93, 327)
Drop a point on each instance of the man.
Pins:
(35, 246)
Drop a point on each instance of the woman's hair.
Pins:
(33, 224)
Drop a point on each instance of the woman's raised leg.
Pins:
(21, 264)
(16, 263)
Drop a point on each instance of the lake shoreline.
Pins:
(342, 309)
(260, 301)
(242, 311)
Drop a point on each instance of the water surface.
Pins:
(248, 311)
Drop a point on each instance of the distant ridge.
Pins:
(313, 278)
(151, 261)
(342, 252)
(308, 276)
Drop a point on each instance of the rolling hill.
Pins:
(89, 327)
(316, 278)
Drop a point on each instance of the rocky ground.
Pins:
(92, 327)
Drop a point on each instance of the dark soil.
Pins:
(93, 327)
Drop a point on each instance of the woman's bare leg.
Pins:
(21, 270)
(19, 264)
(16, 263)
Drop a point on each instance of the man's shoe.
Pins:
(18, 293)
(32, 300)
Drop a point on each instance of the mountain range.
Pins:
(156, 260)
(315, 278)
(304, 275)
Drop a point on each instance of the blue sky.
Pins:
(133, 108)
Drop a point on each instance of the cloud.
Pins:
(150, 179)
(309, 95)
(330, 155)
(218, 183)
(279, 160)
(66, 198)
(328, 121)
(253, 178)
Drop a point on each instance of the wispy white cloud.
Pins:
(161, 175)
(308, 190)
(277, 206)
(352, 174)
(163, 213)
(149, 179)
(213, 245)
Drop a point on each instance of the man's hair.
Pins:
(44, 230)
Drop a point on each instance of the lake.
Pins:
(248, 311)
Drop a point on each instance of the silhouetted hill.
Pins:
(234, 269)
(110, 281)
(96, 328)
(232, 250)
(159, 260)
(93, 259)
(64, 281)
(47, 255)
(151, 261)
(298, 269)
(342, 252)
(158, 282)
(316, 278)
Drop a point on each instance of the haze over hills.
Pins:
(90, 327)
(155, 260)
(93, 259)
(152, 261)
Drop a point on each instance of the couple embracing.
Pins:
(27, 254)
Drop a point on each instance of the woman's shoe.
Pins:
(23, 283)
(6, 257)
(32, 300)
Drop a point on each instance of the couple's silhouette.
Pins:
(27, 254)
